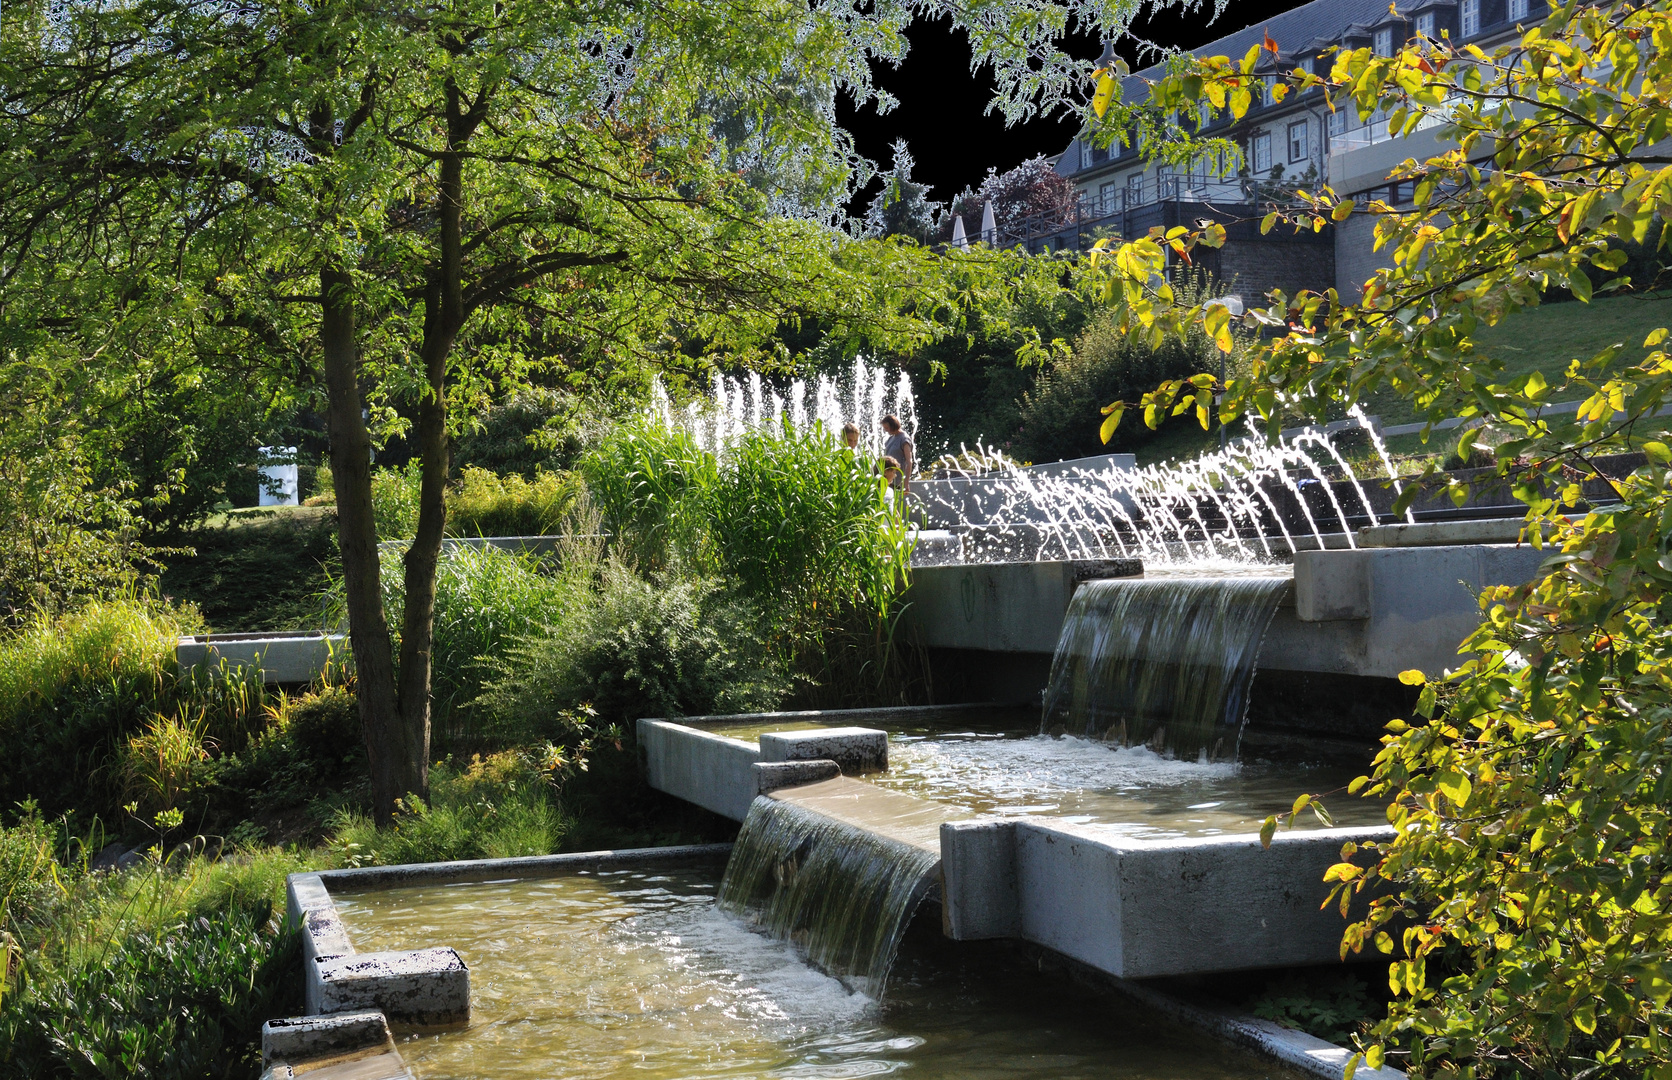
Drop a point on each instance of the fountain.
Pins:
(1108, 824)
(1164, 661)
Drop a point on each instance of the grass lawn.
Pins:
(1547, 338)
(261, 568)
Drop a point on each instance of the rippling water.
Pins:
(641, 976)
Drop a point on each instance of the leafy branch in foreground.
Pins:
(1525, 902)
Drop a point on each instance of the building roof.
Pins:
(1321, 20)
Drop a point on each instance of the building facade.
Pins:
(1294, 143)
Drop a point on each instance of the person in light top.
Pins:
(897, 447)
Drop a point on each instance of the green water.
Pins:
(639, 976)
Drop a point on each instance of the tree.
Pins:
(400, 204)
(1525, 901)
(1032, 190)
(902, 207)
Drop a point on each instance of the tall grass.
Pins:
(492, 808)
(487, 505)
(159, 971)
(653, 486)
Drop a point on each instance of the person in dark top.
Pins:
(898, 446)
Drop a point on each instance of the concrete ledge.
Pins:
(299, 1038)
(773, 776)
(854, 749)
(422, 986)
(369, 878)
(283, 658)
(1137, 909)
(713, 771)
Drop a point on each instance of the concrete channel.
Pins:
(350, 1039)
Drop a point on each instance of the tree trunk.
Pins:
(443, 319)
(368, 631)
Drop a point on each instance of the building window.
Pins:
(1425, 23)
(1517, 10)
(1306, 65)
(1338, 121)
(1135, 189)
(1384, 41)
(1261, 153)
(1267, 97)
(1297, 141)
(1469, 18)
(1108, 198)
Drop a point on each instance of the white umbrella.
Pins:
(989, 226)
(959, 240)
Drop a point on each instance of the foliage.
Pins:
(1107, 364)
(64, 535)
(164, 762)
(533, 431)
(670, 646)
(1524, 900)
(902, 207)
(497, 807)
(1033, 189)
(489, 505)
(1334, 1009)
(94, 711)
(652, 484)
(165, 972)
(486, 599)
(395, 501)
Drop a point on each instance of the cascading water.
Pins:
(841, 893)
(1161, 661)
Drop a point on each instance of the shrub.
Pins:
(185, 1001)
(537, 430)
(325, 726)
(395, 501)
(495, 807)
(1059, 418)
(489, 505)
(668, 647)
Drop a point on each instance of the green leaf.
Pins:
(1268, 829)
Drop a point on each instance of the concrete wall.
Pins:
(1137, 909)
(1000, 607)
(713, 771)
(1355, 257)
(1368, 611)
(296, 657)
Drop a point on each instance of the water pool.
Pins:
(1133, 790)
(639, 975)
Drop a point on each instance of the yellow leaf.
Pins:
(1412, 677)
(1104, 95)
(1107, 431)
(1655, 338)
(1343, 210)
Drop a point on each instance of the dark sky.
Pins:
(940, 114)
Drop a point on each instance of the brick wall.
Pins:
(1254, 267)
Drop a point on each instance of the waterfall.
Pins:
(841, 893)
(1163, 661)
